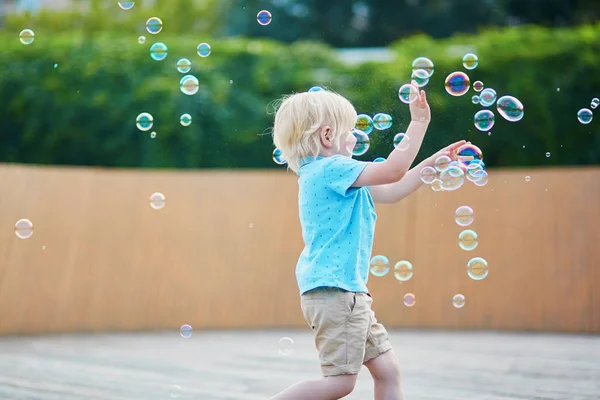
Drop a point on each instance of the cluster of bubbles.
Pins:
(450, 175)
(585, 115)
(363, 128)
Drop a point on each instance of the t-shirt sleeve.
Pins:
(341, 173)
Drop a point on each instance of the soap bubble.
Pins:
(285, 346)
(184, 65)
(401, 141)
(189, 85)
(467, 240)
(175, 391)
(126, 5)
(477, 268)
(185, 119)
(362, 143)
(26, 36)
(24, 228)
(425, 64)
(315, 89)
(264, 17)
(420, 77)
(510, 108)
(442, 163)
(470, 61)
(428, 174)
(482, 180)
(408, 93)
(585, 116)
(154, 25)
(364, 123)
(436, 185)
(452, 178)
(379, 159)
(204, 49)
(278, 157)
(457, 83)
(186, 331)
(403, 270)
(158, 51)
(468, 150)
(475, 99)
(382, 121)
(487, 97)
(144, 121)
(464, 216)
(458, 301)
(379, 266)
(595, 103)
(484, 120)
(409, 300)
(142, 39)
(157, 200)
(478, 86)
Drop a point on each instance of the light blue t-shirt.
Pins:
(338, 224)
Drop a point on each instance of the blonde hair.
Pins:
(300, 118)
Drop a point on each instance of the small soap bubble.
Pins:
(154, 25)
(420, 77)
(364, 123)
(26, 36)
(278, 157)
(464, 216)
(144, 121)
(264, 17)
(457, 83)
(585, 116)
(468, 154)
(315, 89)
(379, 159)
(152, 135)
(436, 185)
(452, 178)
(478, 86)
(458, 301)
(204, 49)
(470, 61)
(185, 331)
(126, 5)
(409, 300)
(428, 174)
(362, 143)
(475, 99)
(484, 120)
(403, 270)
(380, 266)
(142, 39)
(527, 178)
(185, 119)
(487, 97)
(425, 64)
(159, 51)
(175, 391)
(24, 228)
(482, 180)
(467, 240)
(548, 154)
(189, 85)
(442, 163)
(510, 108)
(477, 268)
(184, 65)
(382, 121)
(157, 201)
(401, 141)
(285, 346)
(595, 103)
(408, 93)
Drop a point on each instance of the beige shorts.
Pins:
(347, 333)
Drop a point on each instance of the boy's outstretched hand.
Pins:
(450, 151)
(419, 109)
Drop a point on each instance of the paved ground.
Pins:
(248, 366)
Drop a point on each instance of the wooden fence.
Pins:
(222, 252)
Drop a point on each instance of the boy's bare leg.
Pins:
(326, 388)
(385, 370)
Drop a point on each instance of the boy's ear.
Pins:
(326, 135)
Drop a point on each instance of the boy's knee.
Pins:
(344, 384)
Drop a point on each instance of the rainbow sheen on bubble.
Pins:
(468, 240)
(26, 36)
(204, 50)
(142, 39)
(364, 123)
(185, 119)
(510, 108)
(487, 97)
(425, 64)
(154, 25)
(126, 5)
(470, 61)
(468, 150)
(24, 228)
(420, 77)
(315, 89)
(458, 300)
(184, 65)
(585, 116)
(379, 266)
(379, 159)
(436, 185)
(144, 121)
(189, 85)
(442, 163)
(484, 120)
(264, 17)
(452, 178)
(477, 268)
(428, 174)
(475, 99)
(403, 270)
(159, 51)
(464, 216)
(408, 93)
(482, 179)
(362, 143)
(285, 346)
(595, 103)
(478, 86)
(157, 201)
(457, 84)
(278, 157)
(409, 300)
(401, 141)
(382, 121)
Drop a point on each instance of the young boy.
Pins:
(336, 193)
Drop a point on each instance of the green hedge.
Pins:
(83, 111)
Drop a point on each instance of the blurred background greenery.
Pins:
(72, 96)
